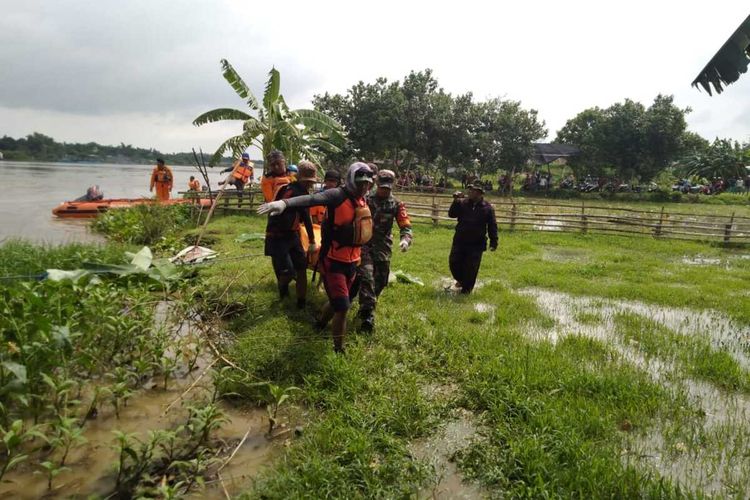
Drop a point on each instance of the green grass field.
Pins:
(583, 366)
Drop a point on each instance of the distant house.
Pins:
(1, 155)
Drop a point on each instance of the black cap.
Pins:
(478, 186)
(332, 175)
(159, 160)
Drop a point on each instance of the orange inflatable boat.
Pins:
(90, 209)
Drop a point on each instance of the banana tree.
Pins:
(270, 124)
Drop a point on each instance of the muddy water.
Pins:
(719, 463)
(439, 450)
(93, 465)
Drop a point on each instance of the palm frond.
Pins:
(219, 114)
(237, 144)
(239, 86)
(729, 62)
(323, 145)
(273, 86)
(253, 127)
(319, 118)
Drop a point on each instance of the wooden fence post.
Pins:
(226, 204)
(728, 230)
(513, 217)
(435, 211)
(584, 219)
(657, 229)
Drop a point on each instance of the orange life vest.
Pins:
(162, 176)
(242, 172)
(270, 186)
(317, 213)
(350, 227)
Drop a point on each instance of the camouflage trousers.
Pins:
(373, 278)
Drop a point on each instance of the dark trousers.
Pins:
(464, 263)
(373, 279)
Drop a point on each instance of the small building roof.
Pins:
(548, 152)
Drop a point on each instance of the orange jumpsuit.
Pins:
(163, 180)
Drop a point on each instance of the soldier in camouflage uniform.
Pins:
(376, 254)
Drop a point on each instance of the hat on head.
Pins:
(332, 175)
(478, 186)
(275, 155)
(307, 172)
(386, 178)
(246, 156)
(292, 168)
(160, 161)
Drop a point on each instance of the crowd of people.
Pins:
(352, 247)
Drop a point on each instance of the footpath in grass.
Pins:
(588, 392)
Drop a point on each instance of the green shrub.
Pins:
(148, 224)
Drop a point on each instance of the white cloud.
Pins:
(139, 71)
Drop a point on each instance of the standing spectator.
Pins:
(476, 220)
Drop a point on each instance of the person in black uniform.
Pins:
(283, 243)
(476, 220)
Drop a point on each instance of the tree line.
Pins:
(40, 147)
(415, 122)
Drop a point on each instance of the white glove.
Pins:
(272, 208)
(404, 245)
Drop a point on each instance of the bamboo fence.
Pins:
(535, 215)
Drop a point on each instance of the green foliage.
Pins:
(22, 258)
(146, 224)
(636, 141)
(299, 134)
(722, 158)
(40, 147)
(416, 121)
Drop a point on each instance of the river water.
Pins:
(32, 189)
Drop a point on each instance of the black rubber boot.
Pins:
(368, 324)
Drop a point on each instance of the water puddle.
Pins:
(701, 261)
(92, 465)
(448, 284)
(486, 309)
(549, 225)
(724, 333)
(573, 255)
(714, 460)
(439, 450)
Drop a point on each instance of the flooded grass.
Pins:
(581, 366)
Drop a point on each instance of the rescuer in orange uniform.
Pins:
(275, 176)
(163, 179)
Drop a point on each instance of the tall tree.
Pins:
(632, 140)
(299, 133)
(505, 133)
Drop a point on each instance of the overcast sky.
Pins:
(139, 71)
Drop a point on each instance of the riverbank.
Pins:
(582, 364)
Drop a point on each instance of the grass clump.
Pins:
(145, 224)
